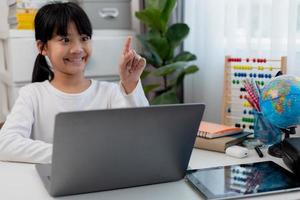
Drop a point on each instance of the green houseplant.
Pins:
(159, 44)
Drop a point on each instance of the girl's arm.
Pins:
(15, 142)
(136, 98)
(129, 92)
(120, 99)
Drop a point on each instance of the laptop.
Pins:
(118, 148)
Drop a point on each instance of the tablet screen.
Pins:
(243, 180)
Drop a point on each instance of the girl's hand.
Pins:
(131, 67)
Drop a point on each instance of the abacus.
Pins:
(236, 110)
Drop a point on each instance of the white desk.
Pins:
(21, 181)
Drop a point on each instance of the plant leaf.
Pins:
(152, 33)
(161, 45)
(191, 69)
(159, 4)
(168, 97)
(170, 55)
(150, 54)
(188, 70)
(152, 18)
(185, 56)
(167, 10)
(149, 88)
(144, 74)
(151, 3)
(150, 60)
(168, 69)
(176, 34)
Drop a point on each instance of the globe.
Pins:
(280, 101)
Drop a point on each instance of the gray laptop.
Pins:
(118, 148)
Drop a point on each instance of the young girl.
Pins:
(63, 35)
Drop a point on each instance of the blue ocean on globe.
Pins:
(280, 101)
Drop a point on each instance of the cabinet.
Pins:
(18, 52)
(108, 14)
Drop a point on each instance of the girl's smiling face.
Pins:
(68, 54)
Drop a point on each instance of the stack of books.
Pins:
(217, 137)
(21, 13)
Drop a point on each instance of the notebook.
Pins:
(214, 130)
(101, 150)
(220, 144)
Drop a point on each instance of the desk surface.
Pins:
(21, 181)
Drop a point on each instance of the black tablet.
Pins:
(236, 181)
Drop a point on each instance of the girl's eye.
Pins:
(65, 39)
(85, 38)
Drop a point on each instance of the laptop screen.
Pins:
(238, 181)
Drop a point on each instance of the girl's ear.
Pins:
(41, 47)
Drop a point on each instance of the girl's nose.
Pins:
(77, 47)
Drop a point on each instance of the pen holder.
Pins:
(264, 131)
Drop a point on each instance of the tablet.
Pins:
(236, 181)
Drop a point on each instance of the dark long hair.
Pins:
(52, 19)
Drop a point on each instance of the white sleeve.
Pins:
(136, 98)
(15, 142)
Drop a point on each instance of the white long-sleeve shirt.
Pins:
(27, 134)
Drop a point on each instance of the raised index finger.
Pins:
(127, 45)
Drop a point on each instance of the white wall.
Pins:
(3, 29)
(206, 86)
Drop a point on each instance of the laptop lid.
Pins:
(117, 148)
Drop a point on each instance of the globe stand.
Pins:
(276, 150)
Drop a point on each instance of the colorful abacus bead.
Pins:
(242, 89)
(260, 68)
